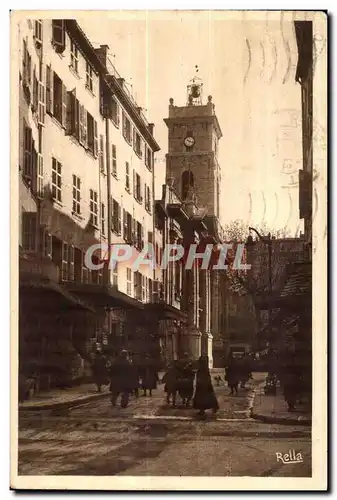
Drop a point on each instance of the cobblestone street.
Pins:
(150, 438)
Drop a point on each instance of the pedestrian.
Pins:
(135, 377)
(232, 375)
(99, 369)
(245, 370)
(291, 383)
(170, 381)
(185, 379)
(121, 379)
(149, 376)
(204, 397)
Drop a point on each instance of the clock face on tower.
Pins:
(189, 141)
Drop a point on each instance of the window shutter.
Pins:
(29, 69)
(134, 230)
(77, 119)
(35, 91)
(70, 113)
(134, 183)
(64, 106)
(85, 127)
(119, 228)
(29, 229)
(95, 139)
(64, 268)
(45, 243)
(81, 124)
(134, 139)
(41, 103)
(71, 263)
(125, 224)
(49, 90)
(59, 34)
(142, 236)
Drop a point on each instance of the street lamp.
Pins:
(267, 240)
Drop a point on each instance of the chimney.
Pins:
(102, 54)
(151, 128)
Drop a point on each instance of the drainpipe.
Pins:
(108, 175)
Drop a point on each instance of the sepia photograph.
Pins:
(169, 250)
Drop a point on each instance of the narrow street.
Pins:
(150, 438)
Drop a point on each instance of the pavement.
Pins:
(266, 408)
(150, 438)
(274, 409)
(63, 398)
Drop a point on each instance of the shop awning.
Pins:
(104, 296)
(42, 292)
(166, 311)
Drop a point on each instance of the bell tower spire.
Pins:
(194, 90)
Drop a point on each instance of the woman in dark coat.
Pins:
(232, 375)
(149, 376)
(204, 397)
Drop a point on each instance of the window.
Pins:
(89, 77)
(127, 176)
(35, 101)
(115, 274)
(187, 182)
(26, 65)
(59, 35)
(56, 183)
(38, 32)
(143, 288)
(128, 281)
(139, 236)
(29, 228)
(67, 267)
(116, 217)
(114, 160)
(96, 275)
(103, 218)
(114, 111)
(101, 154)
(45, 244)
(76, 195)
(126, 128)
(148, 198)
(137, 143)
(27, 152)
(93, 208)
(137, 190)
(59, 109)
(73, 56)
(72, 126)
(148, 158)
(92, 135)
(137, 285)
(127, 226)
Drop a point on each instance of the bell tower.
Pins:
(192, 159)
(192, 166)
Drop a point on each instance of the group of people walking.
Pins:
(125, 376)
(179, 380)
(189, 380)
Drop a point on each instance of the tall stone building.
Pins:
(192, 166)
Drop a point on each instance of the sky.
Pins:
(247, 62)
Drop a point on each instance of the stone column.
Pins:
(191, 339)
